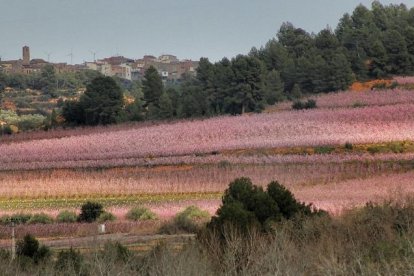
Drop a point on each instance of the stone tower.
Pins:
(26, 55)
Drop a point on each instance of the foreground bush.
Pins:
(140, 213)
(70, 262)
(114, 259)
(29, 247)
(376, 239)
(66, 217)
(246, 205)
(90, 212)
(116, 251)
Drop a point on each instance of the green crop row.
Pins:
(46, 203)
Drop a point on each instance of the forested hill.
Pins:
(367, 44)
(370, 43)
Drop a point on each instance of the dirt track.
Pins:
(135, 242)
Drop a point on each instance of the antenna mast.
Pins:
(94, 55)
(71, 56)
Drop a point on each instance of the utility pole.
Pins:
(13, 244)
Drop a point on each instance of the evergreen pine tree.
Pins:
(273, 87)
(165, 108)
(152, 86)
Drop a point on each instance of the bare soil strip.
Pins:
(140, 243)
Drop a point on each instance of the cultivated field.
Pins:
(318, 127)
(354, 148)
(355, 99)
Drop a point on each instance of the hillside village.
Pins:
(33, 90)
(169, 66)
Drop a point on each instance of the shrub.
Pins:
(245, 205)
(374, 149)
(404, 217)
(288, 205)
(106, 216)
(40, 218)
(13, 129)
(90, 212)
(29, 122)
(5, 220)
(185, 221)
(253, 199)
(193, 212)
(379, 86)
(358, 104)
(224, 164)
(19, 218)
(5, 254)
(29, 247)
(177, 226)
(393, 85)
(324, 150)
(43, 253)
(6, 130)
(66, 217)
(70, 261)
(234, 213)
(117, 251)
(349, 146)
(396, 147)
(309, 104)
(298, 105)
(140, 213)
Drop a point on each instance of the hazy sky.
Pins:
(133, 28)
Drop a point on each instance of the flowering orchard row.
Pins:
(347, 194)
(219, 159)
(334, 196)
(355, 99)
(404, 80)
(366, 98)
(331, 100)
(130, 185)
(283, 129)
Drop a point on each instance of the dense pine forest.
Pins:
(370, 43)
(367, 44)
